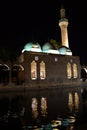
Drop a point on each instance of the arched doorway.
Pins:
(17, 74)
(4, 73)
(83, 74)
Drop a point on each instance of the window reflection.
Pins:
(70, 102)
(76, 101)
(71, 127)
(34, 107)
(73, 101)
(43, 106)
(22, 111)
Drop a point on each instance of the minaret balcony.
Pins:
(63, 20)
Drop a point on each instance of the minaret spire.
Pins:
(63, 23)
(62, 12)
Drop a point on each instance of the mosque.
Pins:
(46, 66)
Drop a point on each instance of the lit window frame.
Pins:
(33, 70)
(75, 72)
(69, 71)
(42, 70)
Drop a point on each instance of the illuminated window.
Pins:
(33, 70)
(75, 71)
(42, 70)
(69, 71)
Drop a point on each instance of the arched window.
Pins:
(33, 70)
(75, 71)
(69, 71)
(42, 70)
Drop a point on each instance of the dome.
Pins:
(49, 48)
(32, 47)
(64, 51)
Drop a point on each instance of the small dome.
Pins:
(49, 48)
(32, 47)
(64, 51)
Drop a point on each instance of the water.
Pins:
(51, 109)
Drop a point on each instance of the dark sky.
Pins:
(37, 20)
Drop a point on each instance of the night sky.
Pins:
(37, 20)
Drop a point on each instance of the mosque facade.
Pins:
(46, 65)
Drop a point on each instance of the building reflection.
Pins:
(34, 107)
(43, 106)
(71, 127)
(73, 102)
(70, 102)
(49, 111)
(76, 96)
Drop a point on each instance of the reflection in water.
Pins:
(71, 127)
(34, 107)
(70, 102)
(76, 101)
(41, 110)
(22, 111)
(34, 104)
(73, 101)
(44, 106)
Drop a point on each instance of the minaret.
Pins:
(63, 23)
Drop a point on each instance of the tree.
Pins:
(55, 43)
(8, 54)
